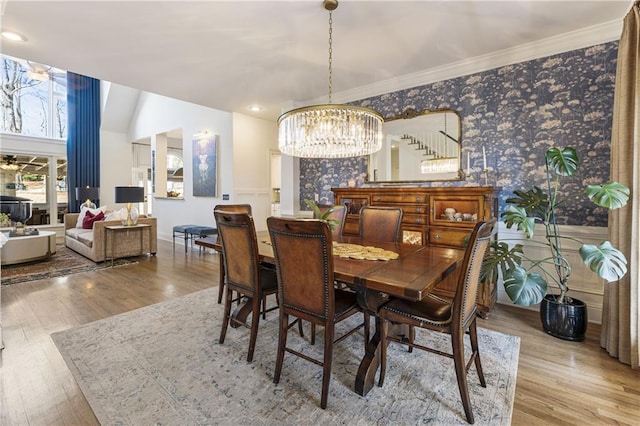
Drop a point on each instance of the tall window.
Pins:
(34, 110)
(34, 99)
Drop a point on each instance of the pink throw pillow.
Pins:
(89, 218)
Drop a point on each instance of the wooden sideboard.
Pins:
(440, 216)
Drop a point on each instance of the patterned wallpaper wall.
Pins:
(516, 113)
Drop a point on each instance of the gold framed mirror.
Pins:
(418, 146)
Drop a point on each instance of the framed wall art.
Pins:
(205, 165)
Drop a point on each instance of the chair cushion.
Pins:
(182, 228)
(431, 310)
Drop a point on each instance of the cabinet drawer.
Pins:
(447, 237)
(415, 219)
(380, 199)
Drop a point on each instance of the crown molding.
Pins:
(585, 37)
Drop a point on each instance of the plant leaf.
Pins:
(611, 195)
(534, 201)
(518, 216)
(314, 207)
(563, 162)
(524, 288)
(605, 260)
(502, 258)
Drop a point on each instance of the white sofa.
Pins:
(92, 243)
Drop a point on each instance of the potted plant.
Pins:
(5, 220)
(526, 279)
(326, 215)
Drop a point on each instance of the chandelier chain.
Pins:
(330, 53)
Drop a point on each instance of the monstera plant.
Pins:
(526, 279)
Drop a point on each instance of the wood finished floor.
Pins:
(558, 382)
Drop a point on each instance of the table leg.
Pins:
(372, 301)
(241, 313)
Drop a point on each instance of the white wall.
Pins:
(253, 141)
(244, 146)
(158, 114)
(116, 161)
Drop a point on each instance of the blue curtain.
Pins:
(83, 142)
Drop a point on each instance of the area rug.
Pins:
(162, 364)
(64, 262)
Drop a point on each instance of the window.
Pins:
(33, 121)
(34, 99)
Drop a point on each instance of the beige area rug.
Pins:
(62, 263)
(162, 364)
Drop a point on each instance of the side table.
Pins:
(114, 229)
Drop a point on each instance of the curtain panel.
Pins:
(620, 333)
(83, 140)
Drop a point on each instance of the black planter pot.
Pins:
(566, 321)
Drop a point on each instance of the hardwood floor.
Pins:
(558, 382)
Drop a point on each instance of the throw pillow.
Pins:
(89, 218)
(83, 212)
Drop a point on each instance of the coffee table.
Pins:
(28, 248)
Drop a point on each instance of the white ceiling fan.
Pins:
(40, 72)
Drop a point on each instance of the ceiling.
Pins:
(232, 54)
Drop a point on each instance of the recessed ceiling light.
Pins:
(13, 36)
(255, 108)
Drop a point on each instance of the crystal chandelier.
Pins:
(330, 131)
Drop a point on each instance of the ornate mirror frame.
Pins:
(419, 146)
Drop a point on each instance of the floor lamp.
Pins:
(129, 194)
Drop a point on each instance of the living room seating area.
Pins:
(96, 242)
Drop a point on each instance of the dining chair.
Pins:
(233, 208)
(338, 215)
(304, 265)
(243, 273)
(380, 223)
(451, 317)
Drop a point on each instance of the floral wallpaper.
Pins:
(516, 112)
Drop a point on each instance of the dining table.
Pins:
(415, 272)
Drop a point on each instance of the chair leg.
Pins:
(255, 321)
(225, 318)
(264, 306)
(326, 365)
(473, 335)
(300, 327)
(220, 278)
(457, 343)
(282, 344)
(384, 329)
(313, 333)
(412, 337)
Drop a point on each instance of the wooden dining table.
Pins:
(416, 271)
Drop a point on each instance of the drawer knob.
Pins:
(419, 220)
(437, 236)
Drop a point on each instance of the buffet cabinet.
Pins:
(440, 216)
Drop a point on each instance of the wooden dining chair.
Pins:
(451, 317)
(243, 272)
(304, 265)
(338, 215)
(380, 224)
(232, 208)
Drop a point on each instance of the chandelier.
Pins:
(328, 130)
